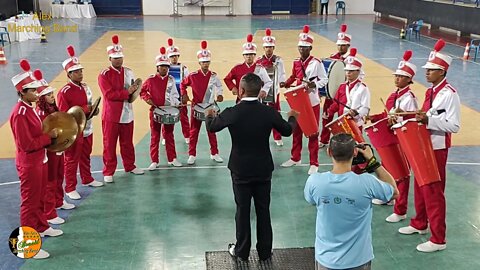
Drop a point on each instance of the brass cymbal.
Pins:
(79, 115)
(67, 130)
(94, 108)
(134, 95)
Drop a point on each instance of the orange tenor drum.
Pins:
(386, 143)
(345, 124)
(416, 143)
(298, 99)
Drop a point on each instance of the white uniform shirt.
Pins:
(315, 72)
(444, 116)
(358, 98)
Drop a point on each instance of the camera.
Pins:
(359, 158)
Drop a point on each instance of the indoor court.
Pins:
(172, 217)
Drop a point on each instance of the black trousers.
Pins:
(244, 191)
(324, 6)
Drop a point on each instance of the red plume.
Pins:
(306, 29)
(268, 32)
(162, 50)
(343, 28)
(71, 50)
(439, 45)
(353, 52)
(25, 65)
(249, 38)
(115, 39)
(204, 44)
(38, 74)
(170, 42)
(407, 55)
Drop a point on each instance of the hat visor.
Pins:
(163, 63)
(402, 73)
(76, 67)
(429, 65)
(34, 84)
(351, 67)
(116, 55)
(173, 54)
(249, 52)
(342, 42)
(266, 44)
(47, 90)
(204, 59)
(304, 44)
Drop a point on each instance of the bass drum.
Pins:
(336, 76)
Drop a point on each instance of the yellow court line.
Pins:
(141, 47)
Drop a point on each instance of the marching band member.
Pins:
(116, 84)
(343, 45)
(441, 114)
(401, 100)
(54, 187)
(77, 93)
(205, 86)
(31, 157)
(309, 70)
(356, 91)
(160, 90)
(272, 61)
(232, 80)
(178, 70)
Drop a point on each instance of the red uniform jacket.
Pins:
(160, 89)
(341, 96)
(199, 83)
(112, 85)
(72, 95)
(237, 73)
(29, 139)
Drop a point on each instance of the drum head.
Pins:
(134, 95)
(336, 76)
(94, 108)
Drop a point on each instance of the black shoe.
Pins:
(231, 251)
(266, 258)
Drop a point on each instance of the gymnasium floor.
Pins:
(168, 218)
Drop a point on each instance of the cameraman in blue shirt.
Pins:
(344, 206)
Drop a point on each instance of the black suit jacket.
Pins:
(250, 124)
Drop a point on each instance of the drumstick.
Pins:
(402, 113)
(384, 105)
(341, 103)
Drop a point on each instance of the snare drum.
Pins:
(200, 108)
(336, 76)
(386, 143)
(166, 115)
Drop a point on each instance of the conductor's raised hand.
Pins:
(235, 91)
(210, 113)
(219, 98)
(293, 113)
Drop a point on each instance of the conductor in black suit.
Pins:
(251, 165)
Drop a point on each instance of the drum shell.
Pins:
(345, 124)
(272, 93)
(326, 64)
(176, 71)
(166, 118)
(380, 134)
(299, 101)
(200, 108)
(416, 143)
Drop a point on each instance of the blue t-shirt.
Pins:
(344, 216)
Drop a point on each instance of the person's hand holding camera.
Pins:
(366, 151)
